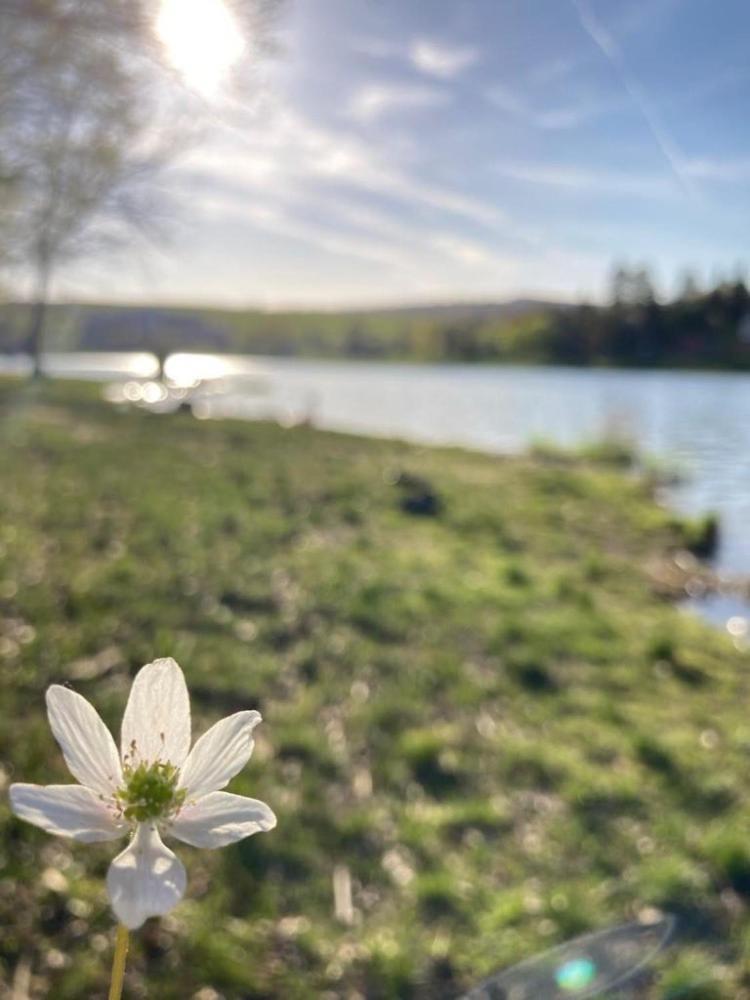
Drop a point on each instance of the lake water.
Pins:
(698, 421)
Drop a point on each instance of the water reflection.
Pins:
(191, 369)
(202, 383)
(95, 365)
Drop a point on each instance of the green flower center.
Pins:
(150, 791)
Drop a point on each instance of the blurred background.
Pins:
(389, 366)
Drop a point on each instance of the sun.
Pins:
(203, 41)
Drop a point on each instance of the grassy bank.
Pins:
(474, 704)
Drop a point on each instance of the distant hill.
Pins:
(459, 310)
(695, 330)
(403, 331)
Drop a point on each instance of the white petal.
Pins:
(146, 880)
(66, 810)
(86, 743)
(157, 716)
(220, 818)
(219, 754)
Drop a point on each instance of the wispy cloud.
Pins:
(609, 48)
(553, 70)
(559, 117)
(326, 189)
(644, 16)
(358, 233)
(304, 150)
(434, 57)
(586, 180)
(730, 171)
(393, 152)
(289, 157)
(441, 59)
(376, 99)
(281, 221)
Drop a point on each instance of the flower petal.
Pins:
(146, 880)
(157, 717)
(220, 818)
(66, 810)
(219, 754)
(86, 743)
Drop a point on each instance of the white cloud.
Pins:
(552, 70)
(324, 237)
(589, 180)
(314, 186)
(442, 59)
(284, 151)
(360, 209)
(563, 116)
(376, 99)
(425, 240)
(350, 232)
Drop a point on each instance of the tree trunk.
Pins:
(35, 337)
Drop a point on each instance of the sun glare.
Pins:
(202, 40)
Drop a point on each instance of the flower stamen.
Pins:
(150, 791)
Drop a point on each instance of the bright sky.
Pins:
(481, 149)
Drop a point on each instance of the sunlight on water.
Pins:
(202, 40)
(190, 369)
(94, 365)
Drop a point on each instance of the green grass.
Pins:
(486, 714)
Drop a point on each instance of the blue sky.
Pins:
(464, 149)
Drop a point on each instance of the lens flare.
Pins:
(587, 967)
(576, 975)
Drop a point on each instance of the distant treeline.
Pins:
(695, 329)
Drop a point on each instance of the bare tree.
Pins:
(83, 105)
(78, 149)
(79, 160)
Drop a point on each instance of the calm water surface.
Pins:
(698, 421)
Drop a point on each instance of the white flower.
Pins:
(156, 784)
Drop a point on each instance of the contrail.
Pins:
(611, 51)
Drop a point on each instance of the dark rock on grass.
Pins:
(417, 495)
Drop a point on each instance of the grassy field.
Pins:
(477, 708)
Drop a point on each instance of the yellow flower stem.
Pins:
(118, 962)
